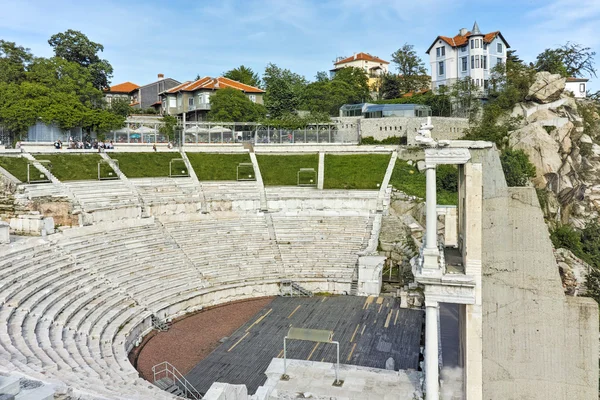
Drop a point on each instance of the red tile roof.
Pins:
(214, 84)
(125, 87)
(135, 103)
(361, 56)
(158, 103)
(572, 79)
(459, 40)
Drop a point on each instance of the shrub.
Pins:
(447, 178)
(516, 166)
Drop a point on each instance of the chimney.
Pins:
(355, 56)
(161, 76)
(463, 31)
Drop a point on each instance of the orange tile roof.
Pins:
(125, 87)
(135, 103)
(178, 87)
(573, 79)
(361, 56)
(214, 84)
(459, 40)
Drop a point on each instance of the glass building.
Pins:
(368, 110)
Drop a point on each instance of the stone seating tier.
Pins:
(71, 306)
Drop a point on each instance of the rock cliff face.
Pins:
(560, 142)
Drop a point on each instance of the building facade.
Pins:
(470, 54)
(577, 86)
(122, 91)
(193, 98)
(373, 66)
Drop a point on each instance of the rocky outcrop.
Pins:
(547, 87)
(542, 149)
(573, 272)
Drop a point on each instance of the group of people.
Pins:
(87, 144)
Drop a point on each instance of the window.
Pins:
(486, 84)
(440, 51)
(472, 43)
(472, 62)
(463, 49)
(476, 82)
(499, 47)
(582, 87)
(443, 51)
(252, 98)
(484, 46)
(499, 61)
(484, 62)
(476, 43)
(191, 101)
(172, 102)
(465, 63)
(476, 61)
(441, 68)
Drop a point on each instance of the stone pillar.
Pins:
(431, 252)
(431, 350)
(4, 233)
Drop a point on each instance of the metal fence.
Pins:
(236, 132)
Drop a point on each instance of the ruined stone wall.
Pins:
(382, 128)
(537, 343)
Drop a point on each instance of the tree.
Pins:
(358, 82)
(120, 107)
(321, 76)
(516, 166)
(169, 123)
(512, 57)
(229, 105)
(551, 60)
(411, 69)
(13, 62)
(390, 87)
(571, 59)
(76, 47)
(244, 75)
(283, 90)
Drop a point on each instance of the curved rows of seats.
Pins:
(229, 248)
(72, 305)
(102, 195)
(166, 190)
(321, 246)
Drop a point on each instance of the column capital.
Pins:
(447, 155)
(431, 303)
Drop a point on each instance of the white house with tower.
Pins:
(470, 54)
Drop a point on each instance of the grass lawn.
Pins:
(279, 170)
(148, 165)
(74, 167)
(219, 167)
(16, 166)
(359, 171)
(408, 179)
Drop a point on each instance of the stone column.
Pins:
(431, 350)
(431, 252)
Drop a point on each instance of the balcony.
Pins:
(199, 106)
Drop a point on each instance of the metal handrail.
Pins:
(173, 373)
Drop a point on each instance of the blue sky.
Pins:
(184, 38)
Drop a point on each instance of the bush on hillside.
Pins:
(389, 140)
(516, 166)
(447, 178)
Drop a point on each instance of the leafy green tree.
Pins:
(13, 62)
(244, 75)
(390, 87)
(121, 107)
(321, 76)
(571, 59)
(517, 167)
(169, 123)
(76, 47)
(412, 73)
(465, 98)
(358, 82)
(229, 105)
(551, 60)
(513, 57)
(283, 90)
